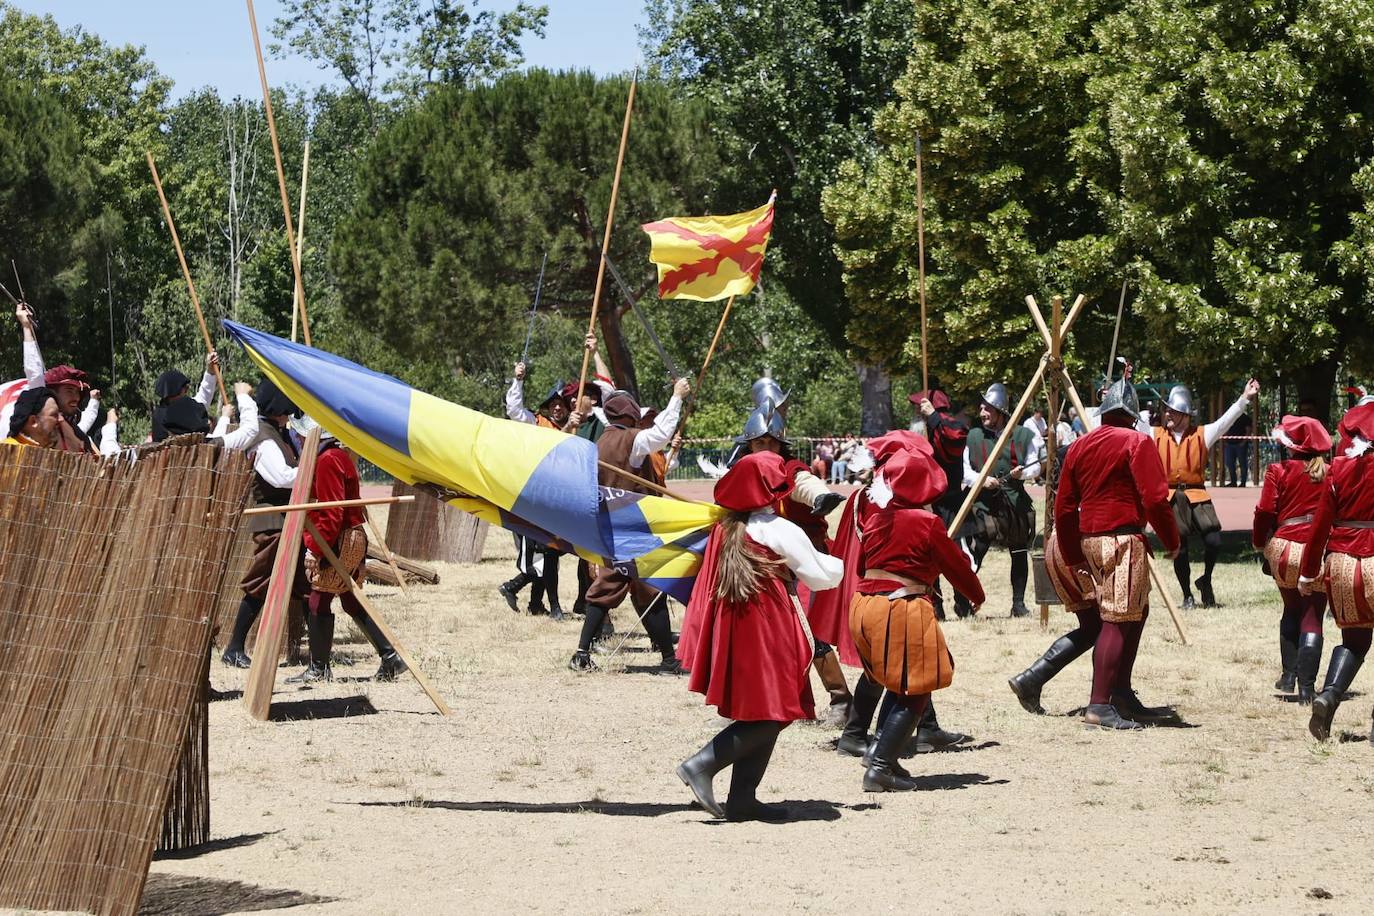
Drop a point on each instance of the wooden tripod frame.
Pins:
(1052, 368)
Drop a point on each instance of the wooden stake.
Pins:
(1116, 335)
(281, 175)
(701, 376)
(377, 618)
(186, 272)
(386, 552)
(300, 238)
(330, 504)
(921, 262)
(606, 238)
(262, 676)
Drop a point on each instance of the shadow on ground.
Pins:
(333, 708)
(189, 895)
(808, 810)
(229, 842)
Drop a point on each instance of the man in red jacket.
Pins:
(1112, 484)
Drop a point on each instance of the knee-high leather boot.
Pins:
(234, 656)
(733, 743)
(1309, 658)
(882, 775)
(832, 677)
(854, 739)
(1340, 673)
(1288, 654)
(1028, 684)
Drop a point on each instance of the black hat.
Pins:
(271, 401)
(29, 402)
(180, 417)
(555, 392)
(170, 384)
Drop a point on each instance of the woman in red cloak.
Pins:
(743, 637)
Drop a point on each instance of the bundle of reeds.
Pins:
(110, 573)
(430, 530)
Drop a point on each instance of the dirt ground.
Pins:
(549, 790)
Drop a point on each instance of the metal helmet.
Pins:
(1180, 399)
(763, 421)
(767, 389)
(1121, 396)
(996, 398)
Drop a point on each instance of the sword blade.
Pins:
(534, 312)
(668, 364)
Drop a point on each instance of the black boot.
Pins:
(591, 626)
(1288, 654)
(319, 630)
(1028, 684)
(510, 590)
(854, 739)
(1309, 658)
(391, 666)
(234, 656)
(1340, 672)
(1105, 715)
(659, 626)
(930, 734)
(1019, 609)
(736, 741)
(882, 775)
(1204, 591)
(743, 803)
(1128, 704)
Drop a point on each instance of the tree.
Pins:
(996, 91)
(461, 196)
(384, 47)
(1214, 154)
(792, 86)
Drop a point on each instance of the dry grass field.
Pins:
(550, 791)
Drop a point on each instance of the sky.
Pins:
(208, 42)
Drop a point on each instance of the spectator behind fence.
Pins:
(1236, 453)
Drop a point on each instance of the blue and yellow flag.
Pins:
(537, 482)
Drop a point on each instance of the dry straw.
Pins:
(110, 575)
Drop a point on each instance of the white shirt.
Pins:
(1212, 431)
(517, 411)
(657, 436)
(271, 466)
(248, 426)
(206, 394)
(817, 570)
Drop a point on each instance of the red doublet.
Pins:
(816, 527)
(1349, 496)
(336, 477)
(1112, 480)
(1289, 492)
(751, 661)
(913, 543)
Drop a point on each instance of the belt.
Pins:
(910, 587)
(1353, 523)
(1115, 532)
(1297, 520)
(1190, 486)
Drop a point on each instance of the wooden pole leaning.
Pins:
(386, 552)
(378, 619)
(186, 272)
(606, 237)
(661, 490)
(921, 262)
(262, 675)
(701, 376)
(331, 504)
(300, 238)
(281, 176)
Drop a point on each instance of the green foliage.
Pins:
(460, 198)
(1213, 153)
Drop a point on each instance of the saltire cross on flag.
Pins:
(534, 481)
(709, 257)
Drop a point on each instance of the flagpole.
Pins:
(701, 376)
(186, 272)
(300, 239)
(921, 262)
(281, 176)
(606, 238)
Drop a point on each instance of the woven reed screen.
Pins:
(430, 530)
(109, 579)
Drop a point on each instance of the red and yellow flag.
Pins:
(709, 257)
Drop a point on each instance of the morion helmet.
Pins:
(764, 421)
(767, 389)
(1121, 396)
(996, 398)
(1180, 399)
